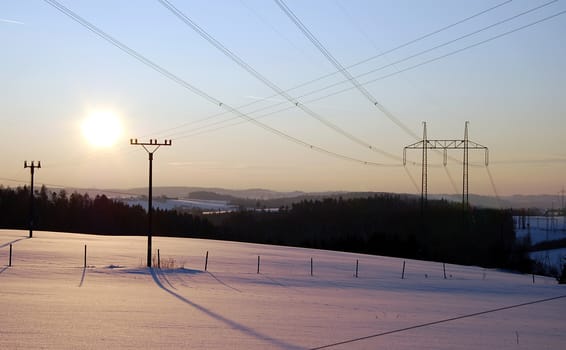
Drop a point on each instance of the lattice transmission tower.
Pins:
(461, 144)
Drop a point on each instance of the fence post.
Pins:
(311, 266)
(444, 268)
(533, 278)
(10, 260)
(84, 263)
(357, 263)
(258, 264)
(158, 260)
(206, 261)
(403, 273)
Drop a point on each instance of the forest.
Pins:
(382, 224)
(79, 213)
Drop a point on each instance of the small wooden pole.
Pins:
(311, 267)
(357, 264)
(10, 260)
(158, 260)
(258, 264)
(444, 268)
(206, 262)
(84, 263)
(403, 273)
(533, 278)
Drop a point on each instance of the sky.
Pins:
(500, 65)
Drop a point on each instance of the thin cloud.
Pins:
(4, 20)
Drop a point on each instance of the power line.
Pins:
(446, 320)
(341, 68)
(312, 92)
(420, 53)
(363, 61)
(436, 58)
(493, 187)
(280, 92)
(199, 92)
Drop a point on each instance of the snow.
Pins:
(50, 301)
(542, 229)
(183, 204)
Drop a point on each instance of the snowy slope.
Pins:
(182, 204)
(48, 300)
(542, 229)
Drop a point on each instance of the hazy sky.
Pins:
(508, 82)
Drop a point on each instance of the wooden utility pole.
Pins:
(32, 166)
(153, 146)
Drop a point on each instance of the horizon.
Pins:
(73, 100)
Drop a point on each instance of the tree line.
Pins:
(382, 224)
(385, 224)
(80, 213)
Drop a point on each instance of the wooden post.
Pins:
(533, 278)
(258, 264)
(357, 263)
(444, 268)
(206, 262)
(311, 266)
(403, 273)
(10, 260)
(158, 260)
(84, 264)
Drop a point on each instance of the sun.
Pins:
(102, 129)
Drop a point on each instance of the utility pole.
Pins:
(153, 146)
(424, 171)
(32, 168)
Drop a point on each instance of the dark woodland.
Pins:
(383, 224)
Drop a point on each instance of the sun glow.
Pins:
(102, 129)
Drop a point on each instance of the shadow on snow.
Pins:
(233, 324)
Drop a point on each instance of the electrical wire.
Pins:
(437, 58)
(24, 182)
(340, 68)
(280, 92)
(420, 53)
(493, 187)
(452, 182)
(413, 181)
(201, 93)
(420, 64)
(422, 37)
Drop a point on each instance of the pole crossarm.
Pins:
(446, 145)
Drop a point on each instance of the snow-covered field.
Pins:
(542, 229)
(48, 300)
(183, 204)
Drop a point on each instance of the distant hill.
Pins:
(189, 192)
(269, 198)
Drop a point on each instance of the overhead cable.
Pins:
(280, 92)
(312, 92)
(422, 37)
(199, 92)
(340, 68)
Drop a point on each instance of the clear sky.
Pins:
(509, 83)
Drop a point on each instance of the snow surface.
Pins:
(542, 229)
(183, 204)
(50, 301)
